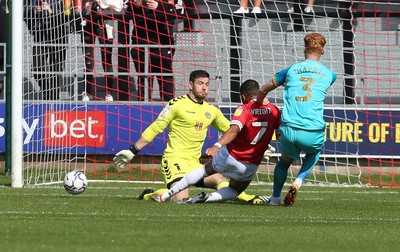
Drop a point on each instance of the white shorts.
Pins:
(228, 166)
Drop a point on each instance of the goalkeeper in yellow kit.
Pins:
(187, 118)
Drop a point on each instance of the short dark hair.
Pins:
(198, 74)
(249, 88)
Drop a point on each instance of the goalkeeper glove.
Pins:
(123, 157)
(268, 153)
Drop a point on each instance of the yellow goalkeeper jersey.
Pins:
(187, 123)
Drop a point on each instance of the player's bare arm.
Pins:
(224, 140)
(264, 90)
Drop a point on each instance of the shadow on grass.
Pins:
(5, 180)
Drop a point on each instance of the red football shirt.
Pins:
(257, 124)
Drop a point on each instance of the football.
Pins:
(75, 182)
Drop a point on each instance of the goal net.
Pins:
(97, 73)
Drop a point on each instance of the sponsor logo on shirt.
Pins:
(164, 112)
(238, 111)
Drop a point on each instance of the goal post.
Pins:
(15, 99)
(96, 52)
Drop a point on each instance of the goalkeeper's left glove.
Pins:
(268, 153)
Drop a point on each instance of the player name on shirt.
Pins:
(309, 70)
(261, 111)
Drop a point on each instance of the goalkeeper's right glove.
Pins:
(123, 157)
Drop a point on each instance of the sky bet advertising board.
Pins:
(108, 128)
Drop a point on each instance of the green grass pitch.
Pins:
(107, 217)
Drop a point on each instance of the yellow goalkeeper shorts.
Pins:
(174, 168)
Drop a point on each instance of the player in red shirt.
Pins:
(239, 152)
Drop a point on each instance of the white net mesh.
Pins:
(63, 131)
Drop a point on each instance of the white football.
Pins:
(75, 182)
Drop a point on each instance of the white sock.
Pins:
(189, 179)
(298, 182)
(223, 194)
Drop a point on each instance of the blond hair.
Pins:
(314, 43)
